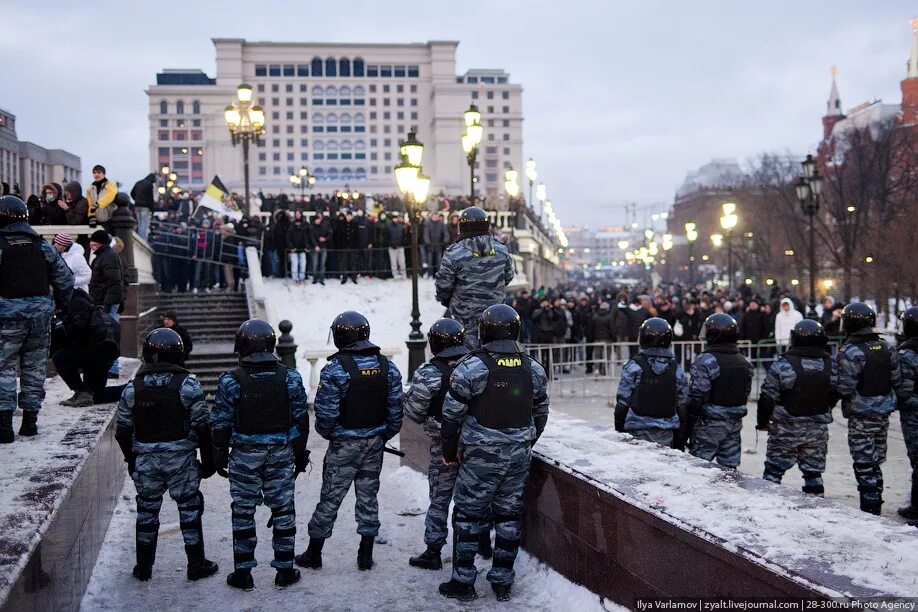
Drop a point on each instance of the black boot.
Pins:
(198, 566)
(6, 427)
(146, 556)
(910, 512)
(871, 502)
(286, 576)
(501, 591)
(241, 579)
(313, 555)
(365, 553)
(429, 559)
(484, 545)
(817, 490)
(29, 427)
(458, 590)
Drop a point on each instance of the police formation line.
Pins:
(657, 402)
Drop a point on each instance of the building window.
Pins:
(506, 109)
(386, 102)
(262, 157)
(490, 123)
(316, 67)
(289, 88)
(289, 129)
(506, 137)
(274, 70)
(304, 101)
(261, 88)
(289, 70)
(400, 72)
(331, 67)
(387, 116)
(490, 150)
(275, 129)
(289, 142)
(413, 72)
(275, 101)
(196, 107)
(502, 80)
(275, 116)
(163, 123)
(262, 170)
(490, 109)
(344, 67)
(400, 116)
(180, 108)
(472, 79)
(414, 101)
(289, 101)
(304, 142)
(505, 95)
(276, 156)
(303, 88)
(385, 71)
(275, 88)
(490, 95)
(302, 70)
(400, 89)
(372, 71)
(304, 156)
(506, 123)
(414, 116)
(277, 170)
(400, 101)
(261, 70)
(506, 150)
(290, 156)
(275, 142)
(163, 135)
(474, 95)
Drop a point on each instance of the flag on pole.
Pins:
(214, 199)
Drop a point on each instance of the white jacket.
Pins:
(785, 321)
(75, 258)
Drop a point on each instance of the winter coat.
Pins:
(691, 324)
(78, 211)
(280, 229)
(602, 327)
(754, 326)
(185, 336)
(298, 237)
(636, 316)
(320, 235)
(106, 286)
(621, 322)
(435, 233)
(100, 194)
(52, 213)
(545, 323)
(396, 234)
(785, 321)
(75, 258)
(36, 214)
(142, 193)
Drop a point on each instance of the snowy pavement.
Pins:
(391, 585)
(39, 471)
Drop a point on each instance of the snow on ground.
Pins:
(391, 585)
(385, 303)
(38, 471)
(760, 520)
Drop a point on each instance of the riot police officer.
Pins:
(423, 404)
(495, 410)
(868, 376)
(653, 391)
(358, 409)
(161, 421)
(797, 398)
(260, 410)
(474, 272)
(908, 403)
(720, 387)
(28, 266)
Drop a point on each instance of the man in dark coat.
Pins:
(170, 321)
(106, 286)
(142, 194)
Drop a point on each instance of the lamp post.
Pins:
(470, 141)
(809, 192)
(691, 235)
(246, 123)
(532, 175)
(541, 196)
(302, 179)
(415, 188)
(728, 222)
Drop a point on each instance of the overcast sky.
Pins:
(620, 98)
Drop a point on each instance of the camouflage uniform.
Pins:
(716, 434)
(25, 331)
(425, 385)
(494, 464)
(261, 470)
(474, 274)
(868, 417)
(908, 402)
(803, 440)
(353, 455)
(651, 429)
(162, 466)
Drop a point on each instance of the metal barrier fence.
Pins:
(177, 241)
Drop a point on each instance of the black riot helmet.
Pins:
(498, 322)
(255, 341)
(473, 222)
(12, 209)
(857, 316)
(808, 333)
(350, 327)
(655, 332)
(445, 333)
(910, 322)
(163, 345)
(719, 328)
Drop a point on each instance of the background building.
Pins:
(338, 109)
(30, 166)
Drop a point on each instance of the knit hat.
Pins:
(63, 240)
(101, 237)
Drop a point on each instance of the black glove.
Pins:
(764, 409)
(220, 439)
(124, 436)
(131, 464)
(93, 222)
(206, 465)
(300, 455)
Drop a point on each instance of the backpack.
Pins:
(104, 328)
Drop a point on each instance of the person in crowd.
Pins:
(106, 284)
(396, 239)
(653, 392)
(75, 258)
(358, 408)
(77, 211)
(54, 209)
(202, 275)
(161, 420)
(787, 317)
(228, 243)
(29, 266)
(260, 411)
(869, 381)
(142, 194)
(298, 242)
(525, 305)
(347, 244)
(474, 273)
(320, 238)
(436, 238)
(36, 213)
(637, 313)
(170, 321)
(908, 404)
(453, 228)
(364, 244)
(496, 409)
(795, 407)
(100, 194)
(280, 228)
(601, 329)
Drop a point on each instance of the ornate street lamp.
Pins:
(246, 123)
(691, 235)
(302, 179)
(470, 141)
(532, 175)
(727, 222)
(511, 185)
(809, 193)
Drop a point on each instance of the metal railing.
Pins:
(177, 241)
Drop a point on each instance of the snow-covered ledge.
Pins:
(629, 519)
(57, 493)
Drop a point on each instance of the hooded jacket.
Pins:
(106, 287)
(75, 258)
(78, 211)
(785, 321)
(142, 193)
(100, 194)
(52, 213)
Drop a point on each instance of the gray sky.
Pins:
(620, 99)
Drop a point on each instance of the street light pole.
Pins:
(245, 172)
(728, 222)
(532, 175)
(809, 191)
(246, 123)
(470, 141)
(691, 235)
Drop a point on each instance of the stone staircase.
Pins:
(212, 320)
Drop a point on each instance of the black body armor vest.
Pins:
(729, 388)
(875, 380)
(812, 391)
(436, 404)
(507, 400)
(656, 394)
(159, 415)
(23, 269)
(264, 403)
(366, 403)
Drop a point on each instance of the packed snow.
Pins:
(40, 470)
(785, 530)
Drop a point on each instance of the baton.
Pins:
(393, 451)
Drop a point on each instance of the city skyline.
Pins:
(618, 107)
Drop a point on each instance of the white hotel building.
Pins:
(340, 110)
